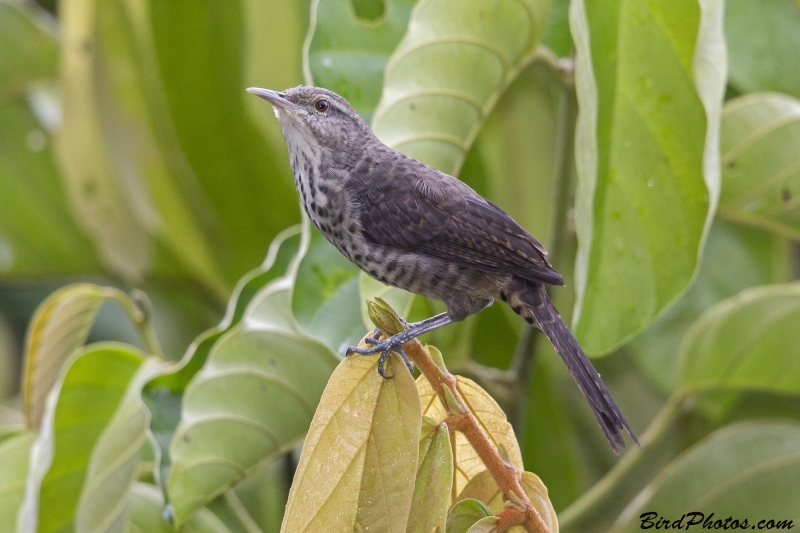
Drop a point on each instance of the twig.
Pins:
(460, 418)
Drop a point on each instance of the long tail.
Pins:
(530, 300)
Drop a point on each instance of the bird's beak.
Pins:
(273, 97)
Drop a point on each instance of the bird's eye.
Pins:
(322, 105)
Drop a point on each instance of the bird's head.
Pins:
(314, 115)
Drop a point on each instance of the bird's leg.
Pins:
(396, 341)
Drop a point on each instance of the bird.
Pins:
(411, 226)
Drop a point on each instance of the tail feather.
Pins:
(531, 301)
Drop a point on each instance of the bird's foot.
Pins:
(384, 347)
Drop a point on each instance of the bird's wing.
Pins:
(453, 223)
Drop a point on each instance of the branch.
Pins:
(461, 419)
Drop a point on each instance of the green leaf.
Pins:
(746, 342)
(434, 479)
(38, 235)
(363, 443)
(59, 326)
(325, 298)
(29, 44)
(347, 54)
(515, 157)
(764, 45)
(114, 464)
(14, 457)
(745, 471)
(239, 183)
(146, 511)
(484, 525)
(253, 398)
(79, 410)
(484, 488)
(433, 103)
(129, 188)
(647, 157)
(164, 394)
(761, 162)
(465, 514)
(735, 258)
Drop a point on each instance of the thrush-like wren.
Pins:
(410, 226)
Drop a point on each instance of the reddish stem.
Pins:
(504, 474)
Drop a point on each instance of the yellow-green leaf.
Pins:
(434, 479)
(489, 415)
(59, 327)
(484, 488)
(359, 458)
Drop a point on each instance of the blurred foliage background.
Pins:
(131, 157)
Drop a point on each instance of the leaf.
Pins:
(369, 289)
(239, 183)
(761, 166)
(147, 505)
(515, 156)
(489, 416)
(59, 326)
(325, 298)
(764, 45)
(433, 104)
(30, 48)
(78, 410)
(129, 188)
(14, 457)
(347, 54)
(114, 464)
(354, 471)
(746, 342)
(38, 235)
(164, 394)
(484, 488)
(465, 514)
(434, 478)
(735, 257)
(257, 389)
(484, 525)
(745, 471)
(647, 157)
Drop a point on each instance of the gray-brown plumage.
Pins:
(411, 226)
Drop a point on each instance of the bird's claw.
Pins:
(384, 347)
